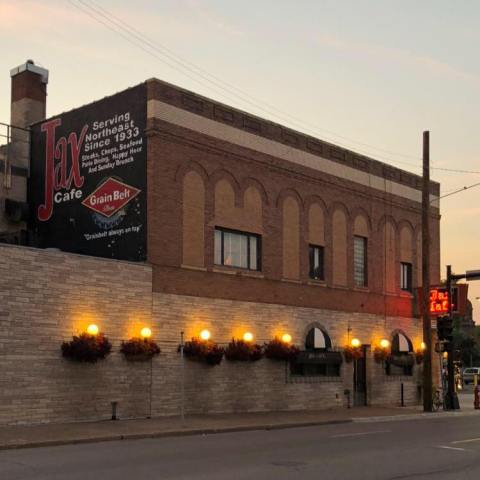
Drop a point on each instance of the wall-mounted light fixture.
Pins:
(384, 343)
(92, 329)
(248, 336)
(286, 338)
(355, 342)
(205, 335)
(145, 332)
(423, 346)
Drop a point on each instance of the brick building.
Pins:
(248, 226)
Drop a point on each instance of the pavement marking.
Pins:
(450, 448)
(358, 434)
(469, 440)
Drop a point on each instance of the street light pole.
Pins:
(427, 333)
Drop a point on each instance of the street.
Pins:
(445, 448)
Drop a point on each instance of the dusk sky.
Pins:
(368, 75)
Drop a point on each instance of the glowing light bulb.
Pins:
(92, 329)
(384, 343)
(145, 332)
(205, 335)
(423, 346)
(248, 336)
(286, 338)
(355, 342)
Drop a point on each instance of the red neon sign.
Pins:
(438, 301)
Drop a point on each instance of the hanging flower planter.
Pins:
(352, 353)
(278, 350)
(380, 354)
(242, 351)
(419, 356)
(204, 351)
(139, 349)
(87, 348)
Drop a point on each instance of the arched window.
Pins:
(401, 360)
(401, 344)
(317, 340)
(318, 359)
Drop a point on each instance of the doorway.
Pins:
(360, 380)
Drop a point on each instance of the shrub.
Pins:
(239, 350)
(87, 348)
(419, 355)
(139, 349)
(352, 353)
(278, 350)
(380, 354)
(203, 350)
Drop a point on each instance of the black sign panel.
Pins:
(87, 187)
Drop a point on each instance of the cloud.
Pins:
(396, 55)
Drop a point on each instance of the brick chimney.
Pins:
(29, 94)
(28, 105)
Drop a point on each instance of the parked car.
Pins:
(468, 374)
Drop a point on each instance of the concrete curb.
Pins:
(238, 428)
(168, 433)
(415, 416)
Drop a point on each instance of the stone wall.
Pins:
(46, 297)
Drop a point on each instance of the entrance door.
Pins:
(360, 380)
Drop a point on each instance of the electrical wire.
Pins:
(458, 191)
(94, 10)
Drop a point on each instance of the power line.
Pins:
(187, 64)
(93, 10)
(458, 191)
(139, 37)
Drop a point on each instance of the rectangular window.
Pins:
(237, 249)
(406, 276)
(360, 261)
(316, 262)
(315, 370)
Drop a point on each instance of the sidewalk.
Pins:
(21, 436)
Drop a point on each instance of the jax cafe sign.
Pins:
(438, 301)
(87, 186)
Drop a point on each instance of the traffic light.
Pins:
(445, 328)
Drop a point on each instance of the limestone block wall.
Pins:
(47, 296)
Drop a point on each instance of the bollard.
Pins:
(476, 399)
(402, 399)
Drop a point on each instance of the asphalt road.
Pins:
(447, 448)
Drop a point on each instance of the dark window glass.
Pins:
(360, 261)
(237, 249)
(406, 276)
(315, 369)
(316, 262)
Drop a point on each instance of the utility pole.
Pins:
(427, 332)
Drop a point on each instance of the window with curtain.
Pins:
(237, 249)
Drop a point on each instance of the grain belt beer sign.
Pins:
(87, 187)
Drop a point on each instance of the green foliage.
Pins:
(87, 348)
(466, 344)
(278, 350)
(239, 350)
(203, 350)
(139, 349)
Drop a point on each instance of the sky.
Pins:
(367, 75)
